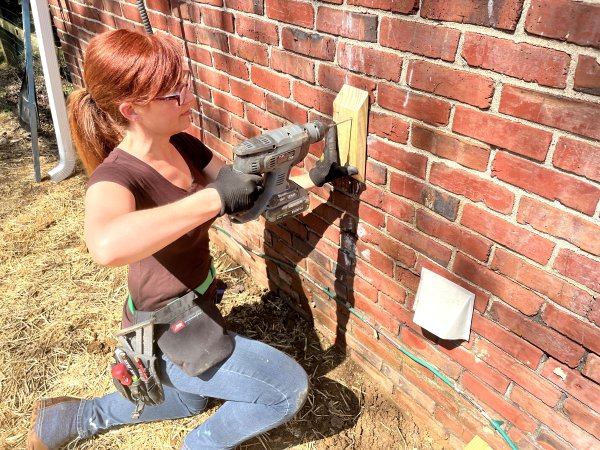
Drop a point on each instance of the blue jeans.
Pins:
(262, 388)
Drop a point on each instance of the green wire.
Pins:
(496, 424)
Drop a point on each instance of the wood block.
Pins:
(351, 106)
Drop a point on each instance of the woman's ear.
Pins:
(129, 111)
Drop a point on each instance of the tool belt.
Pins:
(189, 330)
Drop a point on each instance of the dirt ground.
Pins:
(59, 310)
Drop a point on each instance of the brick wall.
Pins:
(483, 166)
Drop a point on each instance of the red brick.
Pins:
(454, 235)
(199, 54)
(587, 75)
(548, 440)
(249, 51)
(450, 147)
(287, 110)
(209, 36)
(552, 419)
(245, 128)
(579, 268)
(576, 116)
(419, 241)
(262, 119)
(546, 339)
(527, 62)
(553, 185)
(376, 173)
(503, 16)
(441, 394)
(429, 40)
(473, 187)
(393, 155)
(213, 78)
(594, 314)
(388, 126)
(334, 78)
(391, 247)
(578, 157)
(567, 20)
(218, 145)
(542, 281)
(378, 280)
(524, 300)
(572, 326)
(314, 97)
(459, 85)
(232, 66)
(216, 18)
(571, 381)
(428, 109)
(291, 11)
(362, 27)
(216, 114)
(270, 80)
(497, 229)
(379, 315)
(430, 353)
(257, 29)
(373, 256)
(503, 133)
(310, 44)
(582, 232)
(592, 368)
(397, 207)
(499, 403)
(398, 6)
(517, 372)
(292, 64)
(228, 102)
(368, 61)
(583, 416)
(248, 93)
(251, 6)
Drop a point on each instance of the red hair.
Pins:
(119, 66)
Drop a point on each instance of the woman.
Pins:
(152, 195)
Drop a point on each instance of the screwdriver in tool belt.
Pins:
(123, 359)
(120, 372)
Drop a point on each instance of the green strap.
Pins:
(199, 289)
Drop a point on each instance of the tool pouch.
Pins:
(136, 351)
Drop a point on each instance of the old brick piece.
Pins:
(291, 11)
(587, 75)
(544, 66)
(367, 60)
(348, 24)
(310, 44)
(502, 14)
(428, 109)
(578, 157)
(567, 20)
(397, 6)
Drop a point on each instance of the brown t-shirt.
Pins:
(183, 264)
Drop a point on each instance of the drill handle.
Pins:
(269, 189)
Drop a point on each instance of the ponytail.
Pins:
(95, 134)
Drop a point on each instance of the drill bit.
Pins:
(335, 124)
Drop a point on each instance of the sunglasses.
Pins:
(182, 90)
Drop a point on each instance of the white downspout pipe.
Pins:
(56, 98)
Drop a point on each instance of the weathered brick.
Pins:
(527, 62)
(233, 66)
(314, 45)
(376, 173)
(368, 61)
(497, 229)
(212, 78)
(334, 78)
(423, 346)
(473, 187)
(250, 6)
(200, 54)
(228, 102)
(587, 75)
(524, 300)
(578, 157)
(419, 241)
(288, 110)
(579, 268)
(572, 326)
(517, 372)
(262, 119)
(454, 235)
(216, 114)
(551, 184)
(555, 421)
(567, 20)
(584, 233)
(397, 157)
(583, 416)
(207, 36)
(429, 40)
(271, 81)
(542, 281)
(313, 97)
(248, 93)
(546, 339)
(377, 279)
(498, 402)
(244, 127)
(443, 396)
(409, 103)
(362, 27)
(502, 15)
(577, 116)
(257, 29)
(291, 11)
(297, 66)
(494, 130)
(397, 6)
(592, 368)
(460, 85)
(388, 126)
(571, 381)
(391, 247)
(450, 147)
(216, 18)
(249, 51)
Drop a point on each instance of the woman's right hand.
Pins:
(238, 191)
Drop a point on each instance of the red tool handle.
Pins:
(120, 372)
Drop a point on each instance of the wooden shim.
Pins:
(352, 103)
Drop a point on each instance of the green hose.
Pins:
(496, 424)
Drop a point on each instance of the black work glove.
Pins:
(238, 191)
(329, 168)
